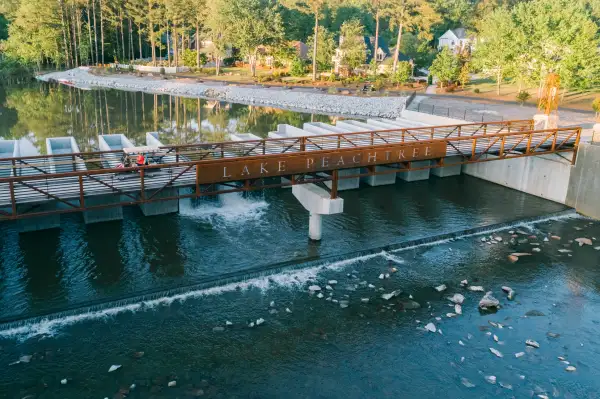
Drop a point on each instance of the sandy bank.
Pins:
(302, 100)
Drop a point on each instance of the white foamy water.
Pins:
(289, 279)
(231, 208)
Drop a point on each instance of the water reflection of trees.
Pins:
(42, 110)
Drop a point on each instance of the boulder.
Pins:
(457, 309)
(172, 384)
(532, 343)
(114, 367)
(314, 288)
(430, 327)
(496, 352)
(391, 295)
(476, 288)
(488, 301)
(583, 241)
(457, 299)
(441, 288)
(410, 305)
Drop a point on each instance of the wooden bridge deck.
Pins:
(243, 165)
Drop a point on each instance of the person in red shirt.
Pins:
(141, 160)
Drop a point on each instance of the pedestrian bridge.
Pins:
(43, 187)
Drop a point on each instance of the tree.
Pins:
(445, 66)
(558, 36)
(215, 25)
(409, 15)
(402, 74)
(495, 52)
(464, 76)
(325, 48)
(315, 8)
(250, 24)
(352, 44)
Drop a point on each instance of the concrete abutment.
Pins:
(318, 202)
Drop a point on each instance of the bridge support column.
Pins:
(161, 207)
(416, 175)
(103, 215)
(346, 184)
(379, 180)
(318, 202)
(446, 171)
(38, 223)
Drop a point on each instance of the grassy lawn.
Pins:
(508, 92)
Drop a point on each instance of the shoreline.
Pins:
(308, 101)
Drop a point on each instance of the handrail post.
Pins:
(81, 197)
(528, 149)
(502, 143)
(302, 143)
(197, 181)
(13, 201)
(372, 138)
(473, 148)
(142, 192)
(576, 147)
(334, 184)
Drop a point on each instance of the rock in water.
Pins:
(457, 299)
(488, 301)
(519, 254)
(496, 352)
(464, 283)
(534, 313)
(25, 359)
(328, 287)
(441, 288)
(457, 309)
(172, 384)
(571, 368)
(391, 295)
(218, 329)
(518, 355)
(552, 335)
(228, 323)
(536, 250)
(476, 288)
(513, 258)
(138, 355)
(506, 289)
(332, 282)
(381, 276)
(114, 367)
(288, 310)
(344, 304)
(63, 381)
(364, 300)
(450, 315)
(430, 327)
(251, 324)
(564, 251)
(491, 379)
(467, 383)
(314, 288)
(410, 305)
(272, 304)
(505, 386)
(532, 343)
(583, 241)
(319, 295)
(260, 321)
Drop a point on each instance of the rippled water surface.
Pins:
(171, 299)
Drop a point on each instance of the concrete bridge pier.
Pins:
(161, 207)
(416, 175)
(446, 171)
(379, 180)
(318, 202)
(50, 221)
(106, 214)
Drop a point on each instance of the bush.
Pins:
(596, 105)
(523, 96)
(297, 68)
(130, 68)
(332, 77)
(189, 57)
(429, 79)
(476, 91)
(378, 84)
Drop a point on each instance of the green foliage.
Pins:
(325, 48)
(11, 69)
(523, 96)
(162, 70)
(464, 76)
(353, 46)
(378, 84)
(445, 67)
(476, 90)
(189, 57)
(298, 67)
(402, 74)
(596, 105)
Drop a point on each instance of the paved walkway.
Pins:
(489, 110)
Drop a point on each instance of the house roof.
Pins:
(370, 43)
(460, 33)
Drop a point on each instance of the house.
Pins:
(384, 56)
(456, 40)
(267, 59)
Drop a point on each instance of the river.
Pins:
(184, 290)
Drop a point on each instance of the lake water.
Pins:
(38, 111)
(76, 300)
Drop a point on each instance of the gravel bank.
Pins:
(301, 100)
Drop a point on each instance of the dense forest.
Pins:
(521, 40)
